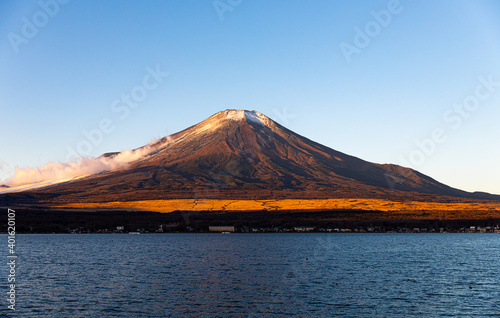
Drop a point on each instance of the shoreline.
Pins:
(335, 221)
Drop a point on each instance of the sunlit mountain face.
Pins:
(241, 154)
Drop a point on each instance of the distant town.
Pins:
(124, 222)
(177, 228)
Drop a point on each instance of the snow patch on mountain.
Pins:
(256, 117)
(220, 119)
(249, 115)
(235, 114)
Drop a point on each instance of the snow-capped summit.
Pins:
(250, 115)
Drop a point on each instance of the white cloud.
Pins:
(55, 171)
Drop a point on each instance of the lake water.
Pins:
(256, 275)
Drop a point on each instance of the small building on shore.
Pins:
(303, 228)
(221, 228)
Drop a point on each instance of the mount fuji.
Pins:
(241, 154)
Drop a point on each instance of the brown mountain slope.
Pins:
(237, 154)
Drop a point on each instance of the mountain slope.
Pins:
(238, 154)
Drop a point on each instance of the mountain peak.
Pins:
(249, 115)
(228, 116)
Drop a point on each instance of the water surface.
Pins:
(257, 275)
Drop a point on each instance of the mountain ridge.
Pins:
(244, 154)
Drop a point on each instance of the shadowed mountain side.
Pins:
(245, 155)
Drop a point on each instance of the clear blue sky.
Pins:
(282, 58)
